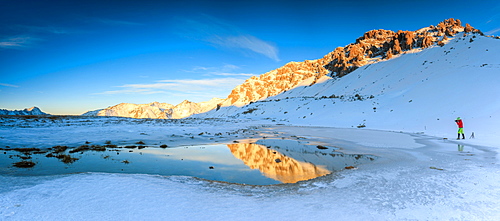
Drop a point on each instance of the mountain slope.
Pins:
(423, 91)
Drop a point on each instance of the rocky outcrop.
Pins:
(383, 44)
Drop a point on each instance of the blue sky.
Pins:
(68, 57)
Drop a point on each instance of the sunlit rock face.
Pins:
(274, 164)
(277, 81)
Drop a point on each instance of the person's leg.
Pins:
(461, 131)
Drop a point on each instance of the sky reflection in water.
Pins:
(265, 162)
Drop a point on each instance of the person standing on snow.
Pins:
(460, 128)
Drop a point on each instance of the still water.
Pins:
(264, 162)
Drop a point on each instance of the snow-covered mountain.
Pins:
(157, 110)
(26, 111)
(151, 110)
(420, 90)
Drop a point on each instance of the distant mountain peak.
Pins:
(185, 102)
(26, 111)
(157, 110)
(32, 109)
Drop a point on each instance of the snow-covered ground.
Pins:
(47, 132)
(416, 177)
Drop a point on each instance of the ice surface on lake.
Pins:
(285, 161)
(425, 179)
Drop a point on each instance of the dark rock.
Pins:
(24, 164)
(321, 147)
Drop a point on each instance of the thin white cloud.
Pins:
(31, 36)
(491, 32)
(234, 74)
(115, 22)
(225, 70)
(223, 34)
(230, 67)
(198, 68)
(204, 82)
(17, 42)
(43, 29)
(215, 86)
(247, 42)
(8, 85)
(128, 91)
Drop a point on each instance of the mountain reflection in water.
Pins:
(255, 162)
(275, 165)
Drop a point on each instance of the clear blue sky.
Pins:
(68, 57)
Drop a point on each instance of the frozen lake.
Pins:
(264, 162)
(413, 177)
